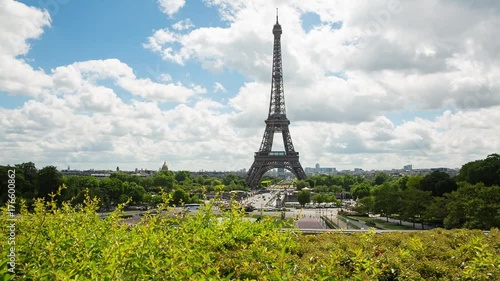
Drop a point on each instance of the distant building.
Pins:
(219, 174)
(100, 175)
(408, 167)
(318, 170)
(164, 167)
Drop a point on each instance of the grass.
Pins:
(384, 224)
(349, 224)
(393, 226)
(286, 223)
(329, 223)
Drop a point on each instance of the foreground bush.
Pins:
(67, 244)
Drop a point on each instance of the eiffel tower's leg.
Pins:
(298, 171)
(287, 140)
(252, 175)
(267, 140)
(256, 172)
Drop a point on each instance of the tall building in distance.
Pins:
(408, 167)
(318, 170)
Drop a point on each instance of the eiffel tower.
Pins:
(276, 121)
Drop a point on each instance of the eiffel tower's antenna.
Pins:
(276, 15)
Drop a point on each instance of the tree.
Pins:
(134, 191)
(300, 184)
(180, 196)
(438, 183)
(319, 198)
(365, 205)
(148, 183)
(414, 203)
(72, 188)
(219, 188)
(25, 182)
(164, 181)
(386, 199)
(485, 171)
(227, 179)
(4, 178)
(414, 182)
(49, 180)
(335, 189)
(147, 198)
(333, 180)
(304, 197)
(436, 211)
(122, 198)
(123, 177)
(402, 181)
(231, 186)
(182, 176)
(361, 190)
(474, 206)
(380, 178)
(112, 189)
(321, 188)
(29, 173)
(76, 185)
(347, 182)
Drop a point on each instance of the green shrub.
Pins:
(65, 243)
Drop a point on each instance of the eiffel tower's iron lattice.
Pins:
(276, 121)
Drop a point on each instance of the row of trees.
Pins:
(467, 200)
(471, 199)
(118, 188)
(29, 181)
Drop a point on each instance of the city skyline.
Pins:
(374, 85)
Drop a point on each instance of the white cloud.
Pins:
(448, 141)
(219, 88)
(391, 56)
(19, 78)
(407, 52)
(14, 30)
(170, 7)
(183, 25)
(16, 76)
(96, 70)
(341, 87)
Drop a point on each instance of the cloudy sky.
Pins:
(369, 84)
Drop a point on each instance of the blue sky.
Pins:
(373, 85)
(93, 30)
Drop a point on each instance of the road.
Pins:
(306, 218)
(265, 203)
(310, 223)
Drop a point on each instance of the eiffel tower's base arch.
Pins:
(263, 164)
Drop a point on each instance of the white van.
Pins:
(192, 207)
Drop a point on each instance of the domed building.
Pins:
(164, 167)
